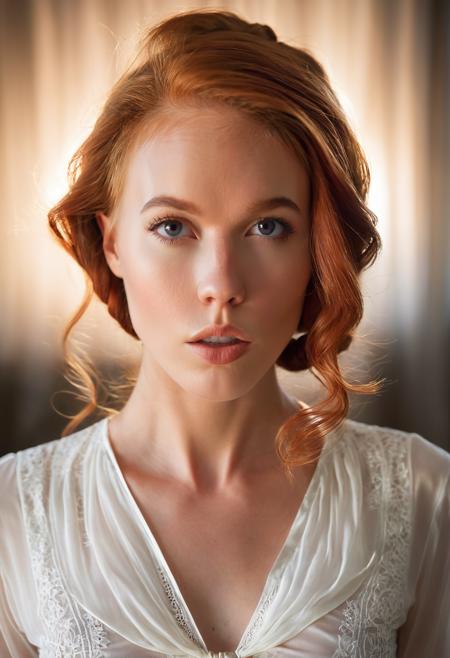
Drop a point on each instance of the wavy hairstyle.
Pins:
(212, 56)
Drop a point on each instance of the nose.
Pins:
(222, 292)
(221, 281)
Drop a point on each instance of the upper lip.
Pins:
(219, 330)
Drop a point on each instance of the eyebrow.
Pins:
(188, 206)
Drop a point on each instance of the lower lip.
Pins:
(220, 354)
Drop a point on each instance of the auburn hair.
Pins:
(216, 57)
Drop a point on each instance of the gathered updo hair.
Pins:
(208, 57)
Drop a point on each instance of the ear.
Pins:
(109, 243)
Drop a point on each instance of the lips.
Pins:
(219, 354)
(220, 330)
(204, 341)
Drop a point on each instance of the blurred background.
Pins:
(389, 62)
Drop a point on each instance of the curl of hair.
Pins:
(205, 57)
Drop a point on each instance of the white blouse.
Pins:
(364, 571)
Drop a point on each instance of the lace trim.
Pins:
(372, 616)
(248, 637)
(69, 630)
(181, 619)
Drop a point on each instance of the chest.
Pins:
(220, 548)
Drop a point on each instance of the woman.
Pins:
(218, 208)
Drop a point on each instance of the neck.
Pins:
(202, 442)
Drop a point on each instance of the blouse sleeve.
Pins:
(426, 631)
(13, 641)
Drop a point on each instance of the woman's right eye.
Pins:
(168, 223)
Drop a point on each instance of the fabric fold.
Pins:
(337, 542)
(114, 568)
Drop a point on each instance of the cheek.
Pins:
(155, 295)
(285, 286)
(283, 311)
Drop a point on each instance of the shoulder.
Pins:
(376, 443)
(34, 483)
(424, 453)
(61, 451)
(31, 472)
(406, 457)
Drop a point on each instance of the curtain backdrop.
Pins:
(389, 63)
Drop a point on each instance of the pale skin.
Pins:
(195, 441)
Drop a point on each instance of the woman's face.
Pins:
(220, 260)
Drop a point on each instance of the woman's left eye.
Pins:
(265, 224)
(273, 221)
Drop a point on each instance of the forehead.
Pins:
(184, 120)
(218, 154)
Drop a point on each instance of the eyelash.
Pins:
(158, 221)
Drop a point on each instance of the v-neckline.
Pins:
(289, 544)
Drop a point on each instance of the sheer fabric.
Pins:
(364, 571)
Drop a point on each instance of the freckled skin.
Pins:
(197, 417)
